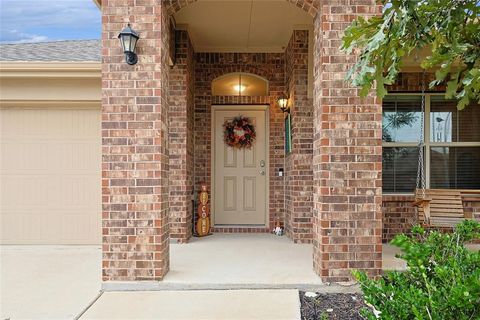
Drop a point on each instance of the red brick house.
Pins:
(161, 131)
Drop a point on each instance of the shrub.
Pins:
(442, 280)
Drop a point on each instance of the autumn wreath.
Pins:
(239, 133)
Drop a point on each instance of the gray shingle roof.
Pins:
(68, 50)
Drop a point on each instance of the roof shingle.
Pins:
(68, 50)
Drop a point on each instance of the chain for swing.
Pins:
(421, 179)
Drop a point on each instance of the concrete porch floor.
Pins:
(243, 259)
(58, 282)
(220, 260)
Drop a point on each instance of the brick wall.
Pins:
(181, 122)
(134, 144)
(399, 216)
(298, 163)
(208, 66)
(347, 157)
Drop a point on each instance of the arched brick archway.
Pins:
(309, 6)
(347, 152)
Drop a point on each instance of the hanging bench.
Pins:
(441, 207)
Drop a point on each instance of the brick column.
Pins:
(298, 164)
(347, 154)
(181, 122)
(134, 139)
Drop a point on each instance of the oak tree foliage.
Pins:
(451, 28)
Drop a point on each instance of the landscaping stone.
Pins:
(341, 306)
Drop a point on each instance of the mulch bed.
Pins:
(332, 306)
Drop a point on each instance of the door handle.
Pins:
(262, 163)
(262, 172)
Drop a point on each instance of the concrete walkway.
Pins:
(390, 262)
(58, 282)
(211, 305)
(48, 282)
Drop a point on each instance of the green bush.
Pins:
(442, 280)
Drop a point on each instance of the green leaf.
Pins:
(452, 86)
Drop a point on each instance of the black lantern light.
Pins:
(283, 103)
(128, 38)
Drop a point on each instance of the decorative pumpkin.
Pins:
(203, 227)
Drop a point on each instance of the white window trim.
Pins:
(426, 137)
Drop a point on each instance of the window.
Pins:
(240, 84)
(452, 143)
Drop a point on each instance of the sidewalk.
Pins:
(199, 304)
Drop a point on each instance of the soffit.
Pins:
(241, 25)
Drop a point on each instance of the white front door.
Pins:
(240, 175)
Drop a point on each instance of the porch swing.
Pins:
(441, 208)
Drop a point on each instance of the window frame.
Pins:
(426, 138)
(239, 74)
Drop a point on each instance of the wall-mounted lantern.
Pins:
(283, 103)
(128, 38)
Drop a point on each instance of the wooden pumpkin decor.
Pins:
(203, 212)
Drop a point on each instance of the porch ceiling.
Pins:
(241, 25)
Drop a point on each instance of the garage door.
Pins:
(50, 176)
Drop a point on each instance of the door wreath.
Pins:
(239, 132)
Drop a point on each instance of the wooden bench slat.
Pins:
(447, 215)
(449, 193)
(443, 190)
(440, 211)
(446, 204)
(444, 197)
(446, 220)
(454, 209)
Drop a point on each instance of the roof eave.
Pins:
(42, 69)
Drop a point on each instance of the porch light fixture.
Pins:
(239, 88)
(128, 38)
(283, 103)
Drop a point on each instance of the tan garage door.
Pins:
(50, 176)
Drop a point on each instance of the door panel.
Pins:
(240, 174)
